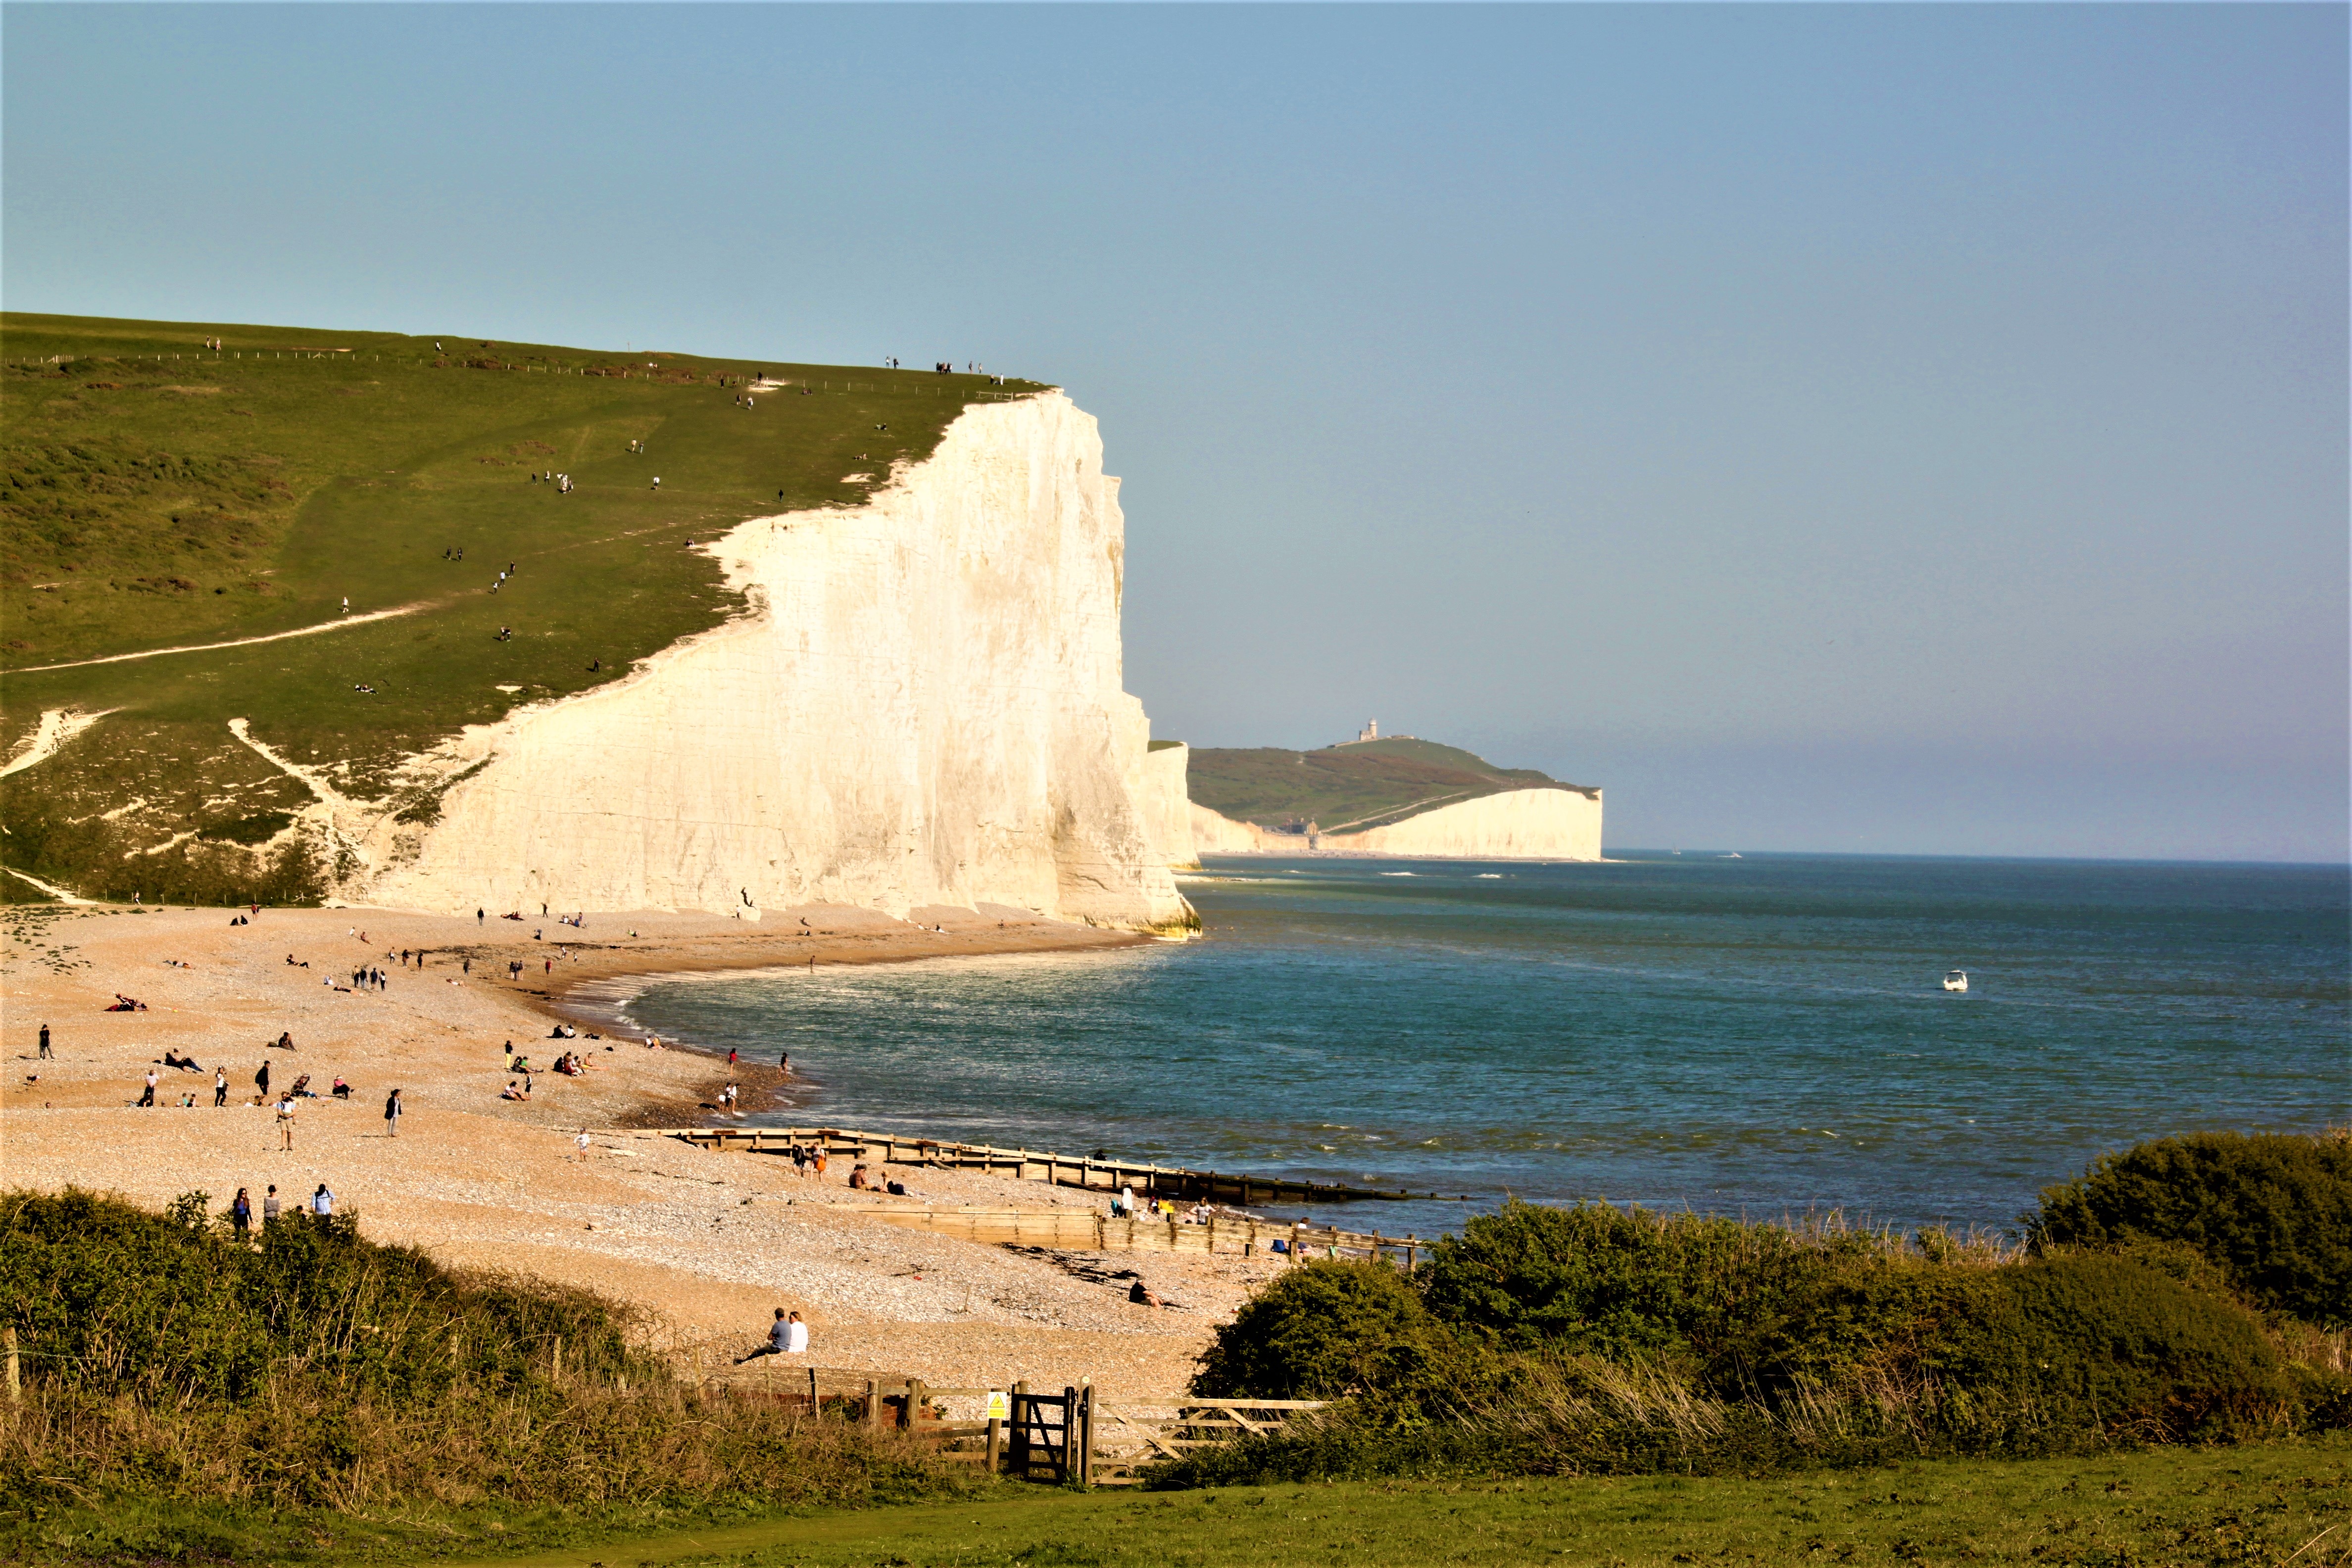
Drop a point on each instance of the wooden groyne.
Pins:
(1107, 1175)
(1087, 1230)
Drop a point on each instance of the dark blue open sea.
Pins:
(1753, 1035)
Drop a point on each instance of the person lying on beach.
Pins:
(127, 1004)
(1142, 1297)
(186, 1064)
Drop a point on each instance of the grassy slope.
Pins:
(2245, 1506)
(154, 501)
(1365, 783)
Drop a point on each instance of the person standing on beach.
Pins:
(45, 1043)
(269, 1206)
(581, 1144)
(148, 1098)
(240, 1213)
(261, 1081)
(286, 1124)
(322, 1202)
(220, 1088)
(391, 1112)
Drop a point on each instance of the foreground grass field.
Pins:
(160, 494)
(2259, 1506)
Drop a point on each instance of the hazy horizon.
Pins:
(1903, 430)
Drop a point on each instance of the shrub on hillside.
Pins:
(2111, 1343)
(1734, 1305)
(1333, 1329)
(314, 1369)
(2272, 1210)
(111, 1298)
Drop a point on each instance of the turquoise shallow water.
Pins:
(1760, 1036)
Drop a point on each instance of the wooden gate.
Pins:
(1048, 1436)
(1121, 1442)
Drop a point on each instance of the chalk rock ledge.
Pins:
(923, 705)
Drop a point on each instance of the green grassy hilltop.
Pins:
(160, 494)
(1363, 783)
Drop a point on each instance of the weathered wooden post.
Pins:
(1069, 1432)
(1018, 1460)
(1086, 1434)
(910, 1413)
(872, 1402)
(996, 1434)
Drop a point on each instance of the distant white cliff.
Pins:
(923, 705)
(1516, 825)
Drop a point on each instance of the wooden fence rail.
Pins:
(1075, 1436)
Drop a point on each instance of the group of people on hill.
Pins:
(563, 482)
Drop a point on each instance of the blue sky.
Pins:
(1904, 428)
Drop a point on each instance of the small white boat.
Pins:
(1956, 980)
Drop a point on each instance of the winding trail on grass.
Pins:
(57, 726)
(335, 624)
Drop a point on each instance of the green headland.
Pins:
(1358, 785)
(160, 493)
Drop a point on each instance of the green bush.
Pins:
(2273, 1211)
(1333, 1329)
(1736, 1305)
(310, 1368)
(2108, 1342)
(107, 1297)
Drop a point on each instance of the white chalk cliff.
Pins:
(1516, 825)
(923, 705)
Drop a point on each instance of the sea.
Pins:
(1764, 1036)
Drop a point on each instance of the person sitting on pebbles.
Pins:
(1142, 1297)
(787, 1336)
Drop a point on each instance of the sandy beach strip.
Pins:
(707, 1245)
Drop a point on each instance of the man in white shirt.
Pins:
(322, 1202)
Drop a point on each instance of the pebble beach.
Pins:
(704, 1245)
